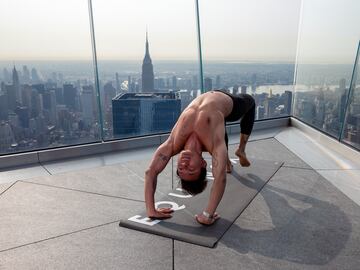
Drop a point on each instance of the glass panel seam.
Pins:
(97, 85)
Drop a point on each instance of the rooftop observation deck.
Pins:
(65, 214)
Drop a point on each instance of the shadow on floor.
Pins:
(314, 235)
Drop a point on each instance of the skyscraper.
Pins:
(208, 84)
(10, 92)
(288, 100)
(26, 75)
(117, 82)
(139, 114)
(174, 83)
(218, 82)
(87, 102)
(147, 75)
(70, 93)
(16, 83)
(243, 89)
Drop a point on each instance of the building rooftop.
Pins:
(65, 214)
(157, 95)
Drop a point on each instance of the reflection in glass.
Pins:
(324, 65)
(47, 84)
(351, 131)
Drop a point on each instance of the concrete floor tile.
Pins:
(31, 212)
(270, 149)
(74, 164)
(124, 180)
(21, 173)
(3, 187)
(128, 156)
(164, 179)
(297, 222)
(104, 247)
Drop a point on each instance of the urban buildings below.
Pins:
(139, 113)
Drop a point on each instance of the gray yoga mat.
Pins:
(242, 186)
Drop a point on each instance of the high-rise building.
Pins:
(109, 94)
(260, 112)
(208, 84)
(10, 92)
(185, 97)
(147, 75)
(26, 95)
(269, 105)
(218, 82)
(195, 82)
(7, 137)
(6, 76)
(49, 104)
(23, 114)
(36, 103)
(87, 102)
(35, 78)
(70, 93)
(174, 83)
(59, 95)
(342, 100)
(288, 101)
(26, 75)
(159, 84)
(139, 113)
(307, 110)
(40, 88)
(243, 89)
(16, 83)
(117, 82)
(3, 107)
(235, 89)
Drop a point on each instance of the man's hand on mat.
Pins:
(205, 220)
(161, 213)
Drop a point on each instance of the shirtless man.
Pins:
(201, 127)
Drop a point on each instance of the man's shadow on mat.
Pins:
(314, 235)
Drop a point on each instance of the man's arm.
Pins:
(219, 160)
(157, 165)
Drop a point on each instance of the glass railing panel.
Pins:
(250, 47)
(47, 84)
(326, 53)
(351, 129)
(147, 63)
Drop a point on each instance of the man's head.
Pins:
(192, 171)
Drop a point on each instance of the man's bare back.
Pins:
(204, 117)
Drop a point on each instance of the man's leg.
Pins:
(246, 123)
(240, 152)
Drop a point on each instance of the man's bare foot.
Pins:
(229, 166)
(242, 158)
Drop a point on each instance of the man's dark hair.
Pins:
(194, 187)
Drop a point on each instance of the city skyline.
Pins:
(56, 105)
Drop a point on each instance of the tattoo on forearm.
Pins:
(163, 157)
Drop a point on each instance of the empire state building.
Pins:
(147, 71)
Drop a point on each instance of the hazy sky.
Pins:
(232, 30)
